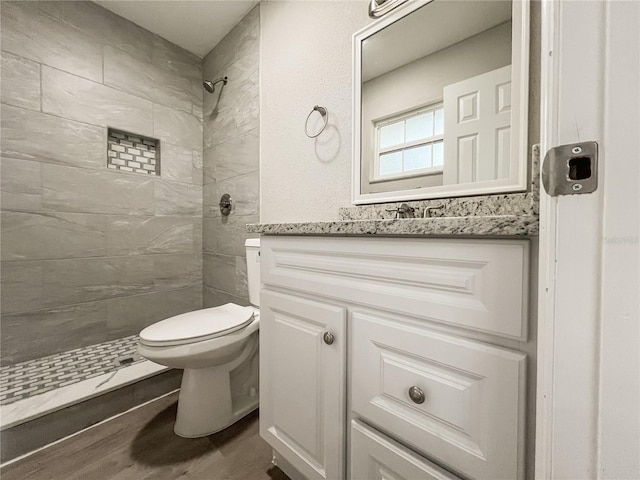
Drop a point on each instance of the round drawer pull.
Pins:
(328, 338)
(416, 395)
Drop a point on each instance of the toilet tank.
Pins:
(252, 246)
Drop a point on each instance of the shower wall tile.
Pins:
(129, 315)
(90, 254)
(69, 189)
(215, 298)
(177, 127)
(197, 174)
(130, 235)
(227, 122)
(143, 79)
(83, 280)
(245, 192)
(172, 272)
(219, 272)
(226, 235)
(237, 156)
(30, 135)
(226, 273)
(171, 57)
(48, 235)
(173, 198)
(231, 161)
(22, 287)
(241, 41)
(38, 333)
(28, 32)
(103, 25)
(73, 97)
(20, 184)
(20, 81)
(178, 164)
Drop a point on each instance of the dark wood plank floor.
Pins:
(141, 445)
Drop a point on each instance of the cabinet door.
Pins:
(302, 383)
(375, 456)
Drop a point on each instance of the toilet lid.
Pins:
(197, 326)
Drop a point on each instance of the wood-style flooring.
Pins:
(141, 445)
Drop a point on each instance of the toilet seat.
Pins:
(197, 326)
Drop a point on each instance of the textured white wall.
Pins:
(306, 61)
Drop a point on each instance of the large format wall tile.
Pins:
(244, 190)
(225, 273)
(30, 135)
(35, 334)
(215, 298)
(129, 315)
(73, 97)
(126, 72)
(47, 235)
(172, 272)
(237, 156)
(69, 189)
(241, 41)
(91, 254)
(173, 198)
(22, 286)
(130, 235)
(103, 25)
(20, 81)
(177, 164)
(177, 127)
(20, 184)
(227, 235)
(27, 32)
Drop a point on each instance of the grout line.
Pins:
(86, 429)
(98, 301)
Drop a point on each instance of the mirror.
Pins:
(440, 101)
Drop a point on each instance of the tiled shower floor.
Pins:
(34, 377)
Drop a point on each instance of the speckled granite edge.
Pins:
(525, 203)
(499, 225)
(515, 204)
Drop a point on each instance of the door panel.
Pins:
(477, 119)
(302, 402)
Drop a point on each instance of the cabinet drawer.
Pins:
(472, 415)
(476, 284)
(375, 456)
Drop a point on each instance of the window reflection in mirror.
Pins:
(436, 97)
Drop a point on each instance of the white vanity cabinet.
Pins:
(394, 357)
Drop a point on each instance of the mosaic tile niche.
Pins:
(133, 153)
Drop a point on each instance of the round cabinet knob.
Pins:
(328, 338)
(416, 395)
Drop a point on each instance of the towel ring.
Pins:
(322, 111)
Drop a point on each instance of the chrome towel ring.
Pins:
(322, 111)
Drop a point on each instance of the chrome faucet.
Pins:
(403, 211)
(430, 208)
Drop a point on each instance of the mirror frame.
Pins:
(518, 180)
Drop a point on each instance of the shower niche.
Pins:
(133, 153)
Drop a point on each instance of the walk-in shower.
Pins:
(210, 85)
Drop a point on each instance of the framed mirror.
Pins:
(440, 101)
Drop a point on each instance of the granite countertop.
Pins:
(489, 225)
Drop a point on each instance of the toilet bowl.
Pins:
(218, 350)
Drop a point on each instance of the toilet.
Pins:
(218, 350)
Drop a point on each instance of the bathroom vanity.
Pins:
(397, 355)
(394, 345)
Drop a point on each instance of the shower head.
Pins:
(210, 86)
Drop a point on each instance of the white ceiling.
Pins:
(196, 26)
